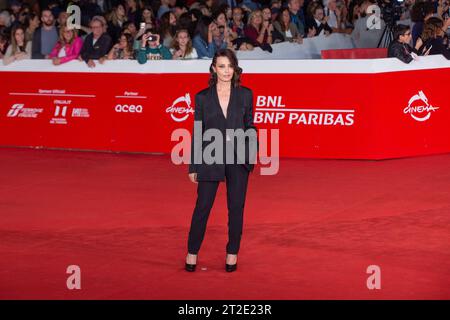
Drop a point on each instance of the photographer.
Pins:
(151, 48)
(399, 48)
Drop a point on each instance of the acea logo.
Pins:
(181, 108)
(419, 108)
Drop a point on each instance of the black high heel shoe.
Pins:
(190, 267)
(230, 267)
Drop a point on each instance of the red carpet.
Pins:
(309, 232)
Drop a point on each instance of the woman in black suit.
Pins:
(225, 107)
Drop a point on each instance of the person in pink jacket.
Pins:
(68, 46)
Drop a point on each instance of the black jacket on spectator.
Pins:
(311, 23)
(438, 47)
(401, 51)
(100, 49)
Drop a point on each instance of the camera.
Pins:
(392, 11)
(152, 37)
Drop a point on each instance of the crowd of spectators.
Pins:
(190, 29)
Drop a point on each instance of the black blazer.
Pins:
(239, 116)
(100, 49)
(311, 23)
(401, 51)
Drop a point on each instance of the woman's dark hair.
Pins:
(400, 30)
(280, 19)
(202, 27)
(430, 28)
(420, 10)
(236, 80)
(185, 22)
(130, 41)
(165, 26)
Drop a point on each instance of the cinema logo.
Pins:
(419, 108)
(181, 108)
(271, 109)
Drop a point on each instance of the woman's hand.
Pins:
(193, 177)
(419, 43)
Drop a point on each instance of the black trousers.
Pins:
(236, 177)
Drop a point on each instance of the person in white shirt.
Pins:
(182, 47)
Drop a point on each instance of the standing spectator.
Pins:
(123, 50)
(3, 44)
(204, 39)
(151, 48)
(237, 24)
(421, 12)
(148, 17)
(286, 27)
(317, 24)
(97, 44)
(433, 38)
(116, 20)
(45, 37)
(68, 46)
(168, 28)
(181, 47)
(163, 8)
(33, 23)
(134, 12)
(259, 32)
(19, 48)
(366, 37)
(297, 15)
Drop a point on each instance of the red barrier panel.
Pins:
(319, 115)
(359, 53)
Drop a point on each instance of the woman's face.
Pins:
(267, 14)
(123, 42)
(172, 20)
(147, 15)
(229, 13)
(221, 20)
(132, 28)
(183, 38)
(318, 14)
(34, 23)
(286, 17)
(215, 30)
(257, 19)
(224, 69)
(19, 36)
(120, 10)
(67, 34)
